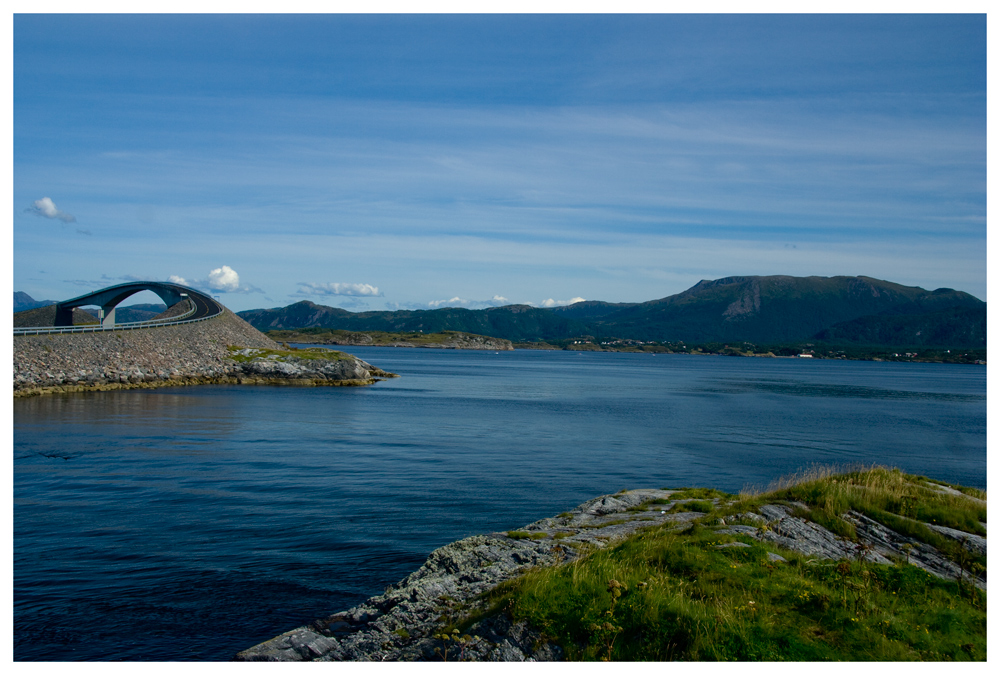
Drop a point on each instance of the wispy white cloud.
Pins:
(454, 302)
(560, 303)
(310, 289)
(46, 208)
(495, 301)
(614, 202)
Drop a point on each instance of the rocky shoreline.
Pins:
(207, 352)
(404, 623)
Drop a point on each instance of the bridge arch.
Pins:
(109, 298)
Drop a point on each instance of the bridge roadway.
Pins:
(204, 307)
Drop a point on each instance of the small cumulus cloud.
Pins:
(560, 303)
(324, 289)
(220, 280)
(224, 279)
(46, 208)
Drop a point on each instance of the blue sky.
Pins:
(383, 162)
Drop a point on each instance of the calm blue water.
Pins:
(190, 523)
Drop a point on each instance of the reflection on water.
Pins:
(190, 523)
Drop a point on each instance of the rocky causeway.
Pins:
(221, 350)
(402, 623)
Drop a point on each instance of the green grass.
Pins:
(897, 500)
(696, 505)
(521, 534)
(646, 506)
(602, 525)
(700, 493)
(685, 599)
(668, 595)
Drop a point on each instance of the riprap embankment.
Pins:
(221, 350)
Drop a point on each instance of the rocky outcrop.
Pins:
(195, 353)
(748, 303)
(303, 367)
(876, 542)
(405, 623)
(401, 624)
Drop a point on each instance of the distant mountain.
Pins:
(23, 301)
(592, 309)
(46, 316)
(513, 322)
(773, 309)
(140, 312)
(758, 309)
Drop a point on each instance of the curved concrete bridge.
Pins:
(107, 299)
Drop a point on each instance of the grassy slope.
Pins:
(669, 595)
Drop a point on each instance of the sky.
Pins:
(376, 162)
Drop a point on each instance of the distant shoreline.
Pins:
(889, 358)
(460, 340)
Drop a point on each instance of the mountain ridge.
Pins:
(757, 309)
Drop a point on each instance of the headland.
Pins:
(871, 564)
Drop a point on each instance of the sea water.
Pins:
(189, 523)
